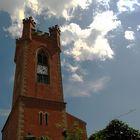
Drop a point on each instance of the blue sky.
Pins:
(100, 55)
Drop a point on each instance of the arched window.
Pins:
(42, 67)
(40, 118)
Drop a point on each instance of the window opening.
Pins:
(41, 118)
(46, 118)
(42, 68)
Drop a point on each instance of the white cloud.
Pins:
(4, 112)
(83, 4)
(104, 3)
(130, 46)
(15, 9)
(102, 48)
(105, 22)
(34, 6)
(127, 5)
(99, 84)
(71, 68)
(129, 35)
(64, 8)
(138, 27)
(90, 43)
(76, 78)
(87, 88)
(76, 72)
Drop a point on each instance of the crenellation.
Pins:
(29, 20)
(54, 29)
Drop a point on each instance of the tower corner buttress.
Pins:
(29, 26)
(55, 35)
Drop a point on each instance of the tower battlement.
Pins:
(29, 32)
(29, 20)
(54, 29)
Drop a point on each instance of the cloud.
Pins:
(87, 88)
(18, 10)
(90, 43)
(11, 6)
(99, 84)
(104, 3)
(138, 27)
(128, 5)
(129, 35)
(105, 22)
(71, 68)
(64, 8)
(76, 78)
(75, 72)
(15, 9)
(130, 46)
(34, 5)
(4, 112)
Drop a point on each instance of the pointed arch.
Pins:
(43, 75)
(42, 57)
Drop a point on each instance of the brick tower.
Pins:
(38, 106)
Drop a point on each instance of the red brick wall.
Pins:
(29, 85)
(71, 121)
(31, 120)
(11, 128)
(51, 91)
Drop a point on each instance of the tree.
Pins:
(116, 130)
(73, 133)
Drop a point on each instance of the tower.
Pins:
(38, 105)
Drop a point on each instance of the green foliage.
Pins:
(116, 130)
(75, 133)
(46, 138)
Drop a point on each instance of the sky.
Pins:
(100, 56)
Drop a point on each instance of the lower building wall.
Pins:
(10, 130)
(55, 117)
(57, 120)
(24, 119)
(73, 123)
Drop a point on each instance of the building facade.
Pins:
(38, 107)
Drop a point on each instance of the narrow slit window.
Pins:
(46, 118)
(41, 118)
